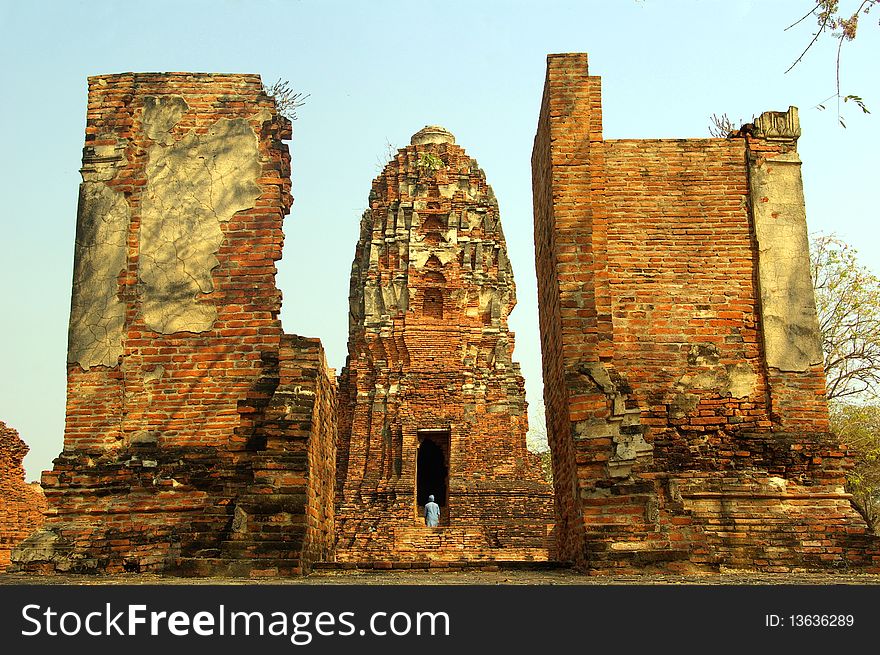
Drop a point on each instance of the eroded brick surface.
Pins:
(430, 368)
(179, 442)
(21, 504)
(682, 369)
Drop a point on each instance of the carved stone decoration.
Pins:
(778, 125)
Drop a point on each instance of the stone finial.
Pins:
(778, 124)
(432, 134)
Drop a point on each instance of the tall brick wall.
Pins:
(683, 378)
(21, 504)
(175, 347)
(430, 360)
(568, 534)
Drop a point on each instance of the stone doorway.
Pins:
(432, 471)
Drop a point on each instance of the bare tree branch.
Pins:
(809, 45)
(841, 26)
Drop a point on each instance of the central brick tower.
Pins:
(430, 399)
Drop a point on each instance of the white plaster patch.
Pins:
(96, 313)
(193, 186)
(788, 307)
(161, 114)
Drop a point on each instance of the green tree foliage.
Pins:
(848, 305)
(429, 164)
(858, 426)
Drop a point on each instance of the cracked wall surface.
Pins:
(682, 365)
(96, 313)
(791, 329)
(193, 185)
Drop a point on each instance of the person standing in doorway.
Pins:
(432, 513)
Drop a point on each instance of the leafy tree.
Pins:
(536, 439)
(858, 426)
(848, 305)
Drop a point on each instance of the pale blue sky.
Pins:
(378, 71)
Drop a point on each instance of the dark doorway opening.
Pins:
(431, 468)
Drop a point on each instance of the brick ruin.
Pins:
(199, 437)
(683, 375)
(431, 401)
(21, 511)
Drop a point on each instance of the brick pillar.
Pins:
(570, 232)
(790, 328)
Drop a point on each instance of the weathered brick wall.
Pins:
(185, 184)
(175, 344)
(21, 504)
(676, 309)
(305, 372)
(430, 354)
(568, 534)
(681, 275)
(283, 521)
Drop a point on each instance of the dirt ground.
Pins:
(429, 577)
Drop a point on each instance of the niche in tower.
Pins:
(432, 294)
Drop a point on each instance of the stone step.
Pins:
(262, 528)
(642, 556)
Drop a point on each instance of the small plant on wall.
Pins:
(287, 101)
(429, 164)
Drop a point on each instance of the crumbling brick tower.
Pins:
(198, 436)
(430, 400)
(21, 504)
(683, 373)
